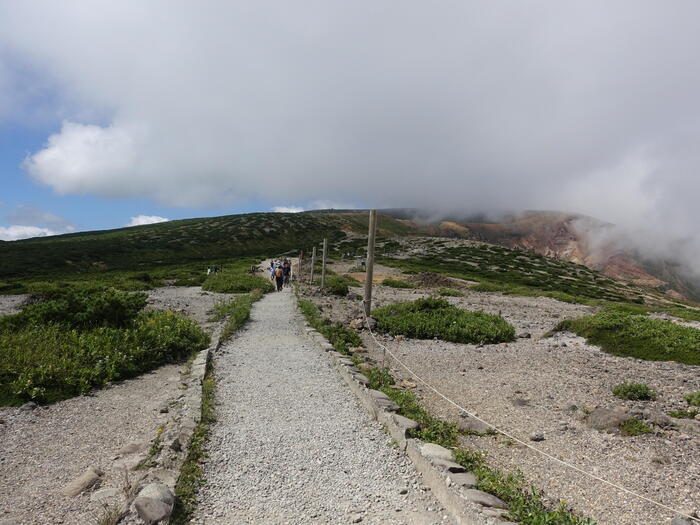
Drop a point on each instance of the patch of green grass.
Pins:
(236, 312)
(634, 392)
(634, 427)
(236, 282)
(436, 318)
(526, 505)
(693, 399)
(379, 378)
(50, 362)
(624, 334)
(450, 292)
(684, 414)
(338, 285)
(397, 283)
(341, 337)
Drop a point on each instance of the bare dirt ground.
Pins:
(547, 386)
(43, 449)
(10, 304)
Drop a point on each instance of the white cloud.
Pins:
(140, 220)
(16, 232)
(287, 209)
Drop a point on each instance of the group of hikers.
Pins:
(280, 273)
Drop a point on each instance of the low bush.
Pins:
(379, 378)
(634, 427)
(620, 333)
(236, 282)
(693, 399)
(684, 414)
(236, 312)
(340, 337)
(337, 285)
(47, 363)
(397, 283)
(450, 292)
(634, 392)
(436, 318)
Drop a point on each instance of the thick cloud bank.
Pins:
(578, 106)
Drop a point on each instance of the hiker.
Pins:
(272, 270)
(286, 271)
(279, 277)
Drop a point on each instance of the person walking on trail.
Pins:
(279, 277)
(272, 270)
(286, 271)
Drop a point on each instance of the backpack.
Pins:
(278, 272)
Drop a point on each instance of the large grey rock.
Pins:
(378, 395)
(31, 405)
(447, 465)
(483, 498)
(388, 405)
(361, 378)
(606, 419)
(164, 475)
(405, 423)
(469, 424)
(463, 479)
(105, 494)
(133, 448)
(91, 478)
(658, 418)
(154, 503)
(432, 450)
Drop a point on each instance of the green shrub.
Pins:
(379, 378)
(449, 292)
(236, 282)
(624, 334)
(634, 392)
(397, 283)
(339, 336)
(52, 362)
(634, 427)
(236, 311)
(684, 414)
(436, 318)
(693, 399)
(337, 285)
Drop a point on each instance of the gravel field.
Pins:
(10, 304)
(42, 450)
(546, 386)
(291, 443)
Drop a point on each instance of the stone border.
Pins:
(452, 485)
(151, 496)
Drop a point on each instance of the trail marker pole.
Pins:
(313, 263)
(370, 262)
(323, 264)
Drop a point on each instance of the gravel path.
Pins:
(292, 445)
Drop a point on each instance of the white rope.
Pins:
(528, 445)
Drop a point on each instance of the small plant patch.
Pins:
(340, 337)
(236, 282)
(634, 427)
(339, 285)
(436, 318)
(236, 312)
(450, 292)
(693, 399)
(684, 414)
(397, 283)
(634, 392)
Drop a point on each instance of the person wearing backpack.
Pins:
(279, 277)
(286, 271)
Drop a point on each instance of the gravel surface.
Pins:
(10, 304)
(42, 450)
(546, 386)
(291, 443)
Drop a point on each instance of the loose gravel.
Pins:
(291, 443)
(545, 386)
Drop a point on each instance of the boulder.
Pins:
(606, 419)
(463, 479)
(432, 450)
(469, 424)
(405, 423)
(91, 478)
(104, 494)
(483, 498)
(449, 466)
(362, 379)
(31, 405)
(357, 324)
(154, 503)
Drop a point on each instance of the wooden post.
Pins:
(313, 263)
(370, 262)
(323, 263)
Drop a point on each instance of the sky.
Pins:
(117, 113)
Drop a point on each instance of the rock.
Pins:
(681, 521)
(606, 419)
(164, 410)
(365, 367)
(362, 379)
(378, 395)
(165, 476)
(357, 324)
(463, 479)
(104, 494)
(404, 383)
(469, 424)
(483, 498)
(388, 405)
(132, 448)
(31, 405)
(449, 466)
(91, 478)
(525, 335)
(432, 450)
(537, 436)
(658, 418)
(371, 323)
(155, 502)
(405, 423)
